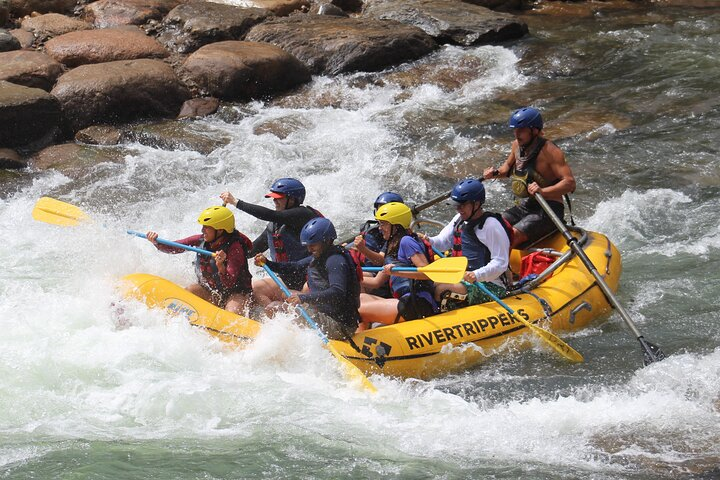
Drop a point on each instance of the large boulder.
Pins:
(53, 25)
(29, 68)
(236, 70)
(8, 42)
(450, 21)
(177, 135)
(75, 160)
(9, 159)
(190, 26)
(103, 45)
(333, 45)
(27, 115)
(118, 92)
(113, 13)
(20, 8)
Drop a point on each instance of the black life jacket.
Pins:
(318, 280)
(466, 243)
(206, 269)
(284, 243)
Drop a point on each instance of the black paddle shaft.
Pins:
(651, 353)
(416, 209)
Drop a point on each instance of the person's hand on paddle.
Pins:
(359, 244)
(228, 198)
(293, 299)
(534, 188)
(260, 259)
(470, 277)
(388, 268)
(152, 238)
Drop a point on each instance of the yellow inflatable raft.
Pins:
(568, 300)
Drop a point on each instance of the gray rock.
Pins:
(29, 68)
(8, 42)
(112, 13)
(450, 21)
(118, 92)
(177, 135)
(9, 159)
(333, 45)
(75, 160)
(103, 45)
(236, 70)
(27, 116)
(280, 8)
(190, 26)
(328, 9)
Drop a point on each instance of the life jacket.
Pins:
(523, 172)
(318, 280)
(284, 243)
(466, 243)
(206, 269)
(400, 286)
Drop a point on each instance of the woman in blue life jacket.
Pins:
(282, 235)
(333, 280)
(224, 279)
(480, 236)
(412, 297)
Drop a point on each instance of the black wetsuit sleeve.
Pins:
(295, 217)
(259, 245)
(338, 271)
(299, 266)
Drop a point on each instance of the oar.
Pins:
(415, 210)
(55, 212)
(561, 347)
(443, 270)
(174, 244)
(353, 372)
(651, 353)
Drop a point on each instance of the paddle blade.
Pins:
(561, 347)
(446, 270)
(352, 373)
(53, 211)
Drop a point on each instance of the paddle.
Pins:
(561, 347)
(415, 210)
(55, 212)
(651, 353)
(443, 270)
(174, 244)
(351, 370)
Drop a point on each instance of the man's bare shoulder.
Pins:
(552, 153)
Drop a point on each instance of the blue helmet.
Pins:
(387, 197)
(470, 189)
(526, 117)
(287, 186)
(317, 230)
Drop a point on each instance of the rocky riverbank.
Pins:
(83, 72)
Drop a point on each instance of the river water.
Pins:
(629, 92)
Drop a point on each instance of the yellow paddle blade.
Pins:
(561, 347)
(353, 373)
(53, 211)
(446, 270)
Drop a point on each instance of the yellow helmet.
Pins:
(395, 213)
(219, 218)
